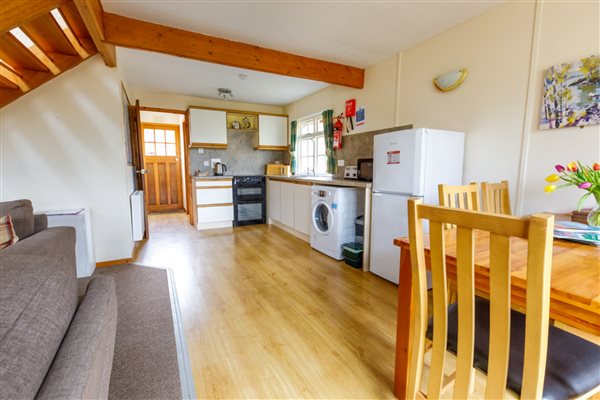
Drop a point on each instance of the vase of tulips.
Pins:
(583, 177)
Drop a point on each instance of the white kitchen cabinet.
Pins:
(208, 128)
(274, 200)
(214, 203)
(287, 204)
(302, 208)
(272, 132)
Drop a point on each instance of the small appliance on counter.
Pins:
(364, 169)
(277, 170)
(351, 172)
(219, 168)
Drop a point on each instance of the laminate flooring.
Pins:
(266, 316)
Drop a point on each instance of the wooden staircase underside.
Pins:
(51, 49)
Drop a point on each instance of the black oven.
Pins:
(249, 200)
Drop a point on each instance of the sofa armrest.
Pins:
(40, 222)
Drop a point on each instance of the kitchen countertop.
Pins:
(202, 178)
(324, 180)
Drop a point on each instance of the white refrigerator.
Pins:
(407, 164)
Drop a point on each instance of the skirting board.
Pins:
(292, 231)
(110, 263)
(188, 391)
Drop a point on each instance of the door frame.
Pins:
(178, 143)
(186, 148)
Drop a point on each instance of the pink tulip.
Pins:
(559, 168)
(585, 185)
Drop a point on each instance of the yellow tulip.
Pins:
(549, 188)
(552, 178)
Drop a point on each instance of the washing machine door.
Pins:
(322, 217)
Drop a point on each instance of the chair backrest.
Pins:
(495, 198)
(538, 230)
(465, 197)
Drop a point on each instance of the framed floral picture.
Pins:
(571, 94)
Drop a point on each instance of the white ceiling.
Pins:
(357, 33)
(163, 73)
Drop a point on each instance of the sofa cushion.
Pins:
(7, 232)
(38, 297)
(82, 366)
(21, 213)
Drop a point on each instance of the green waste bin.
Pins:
(353, 254)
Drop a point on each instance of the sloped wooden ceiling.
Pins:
(39, 39)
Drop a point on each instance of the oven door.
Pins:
(249, 213)
(247, 193)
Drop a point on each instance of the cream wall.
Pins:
(567, 32)
(63, 146)
(498, 104)
(378, 97)
(490, 105)
(179, 102)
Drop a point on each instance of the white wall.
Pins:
(490, 105)
(180, 102)
(567, 32)
(506, 51)
(63, 146)
(378, 97)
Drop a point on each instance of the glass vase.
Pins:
(593, 218)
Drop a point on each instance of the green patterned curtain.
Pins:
(293, 148)
(328, 128)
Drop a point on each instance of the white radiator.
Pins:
(137, 215)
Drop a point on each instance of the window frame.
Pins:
(313, 139)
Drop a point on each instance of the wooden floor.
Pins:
(267, 317)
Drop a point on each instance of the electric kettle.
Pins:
(219, 168)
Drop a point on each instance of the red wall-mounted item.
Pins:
(350, 108)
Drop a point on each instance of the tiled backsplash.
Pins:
(359, 145)
(239, 157)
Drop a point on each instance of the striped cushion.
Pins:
(7, 232)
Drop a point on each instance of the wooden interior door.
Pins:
(162, 161)
(137, 156)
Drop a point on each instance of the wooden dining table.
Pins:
(574, 289)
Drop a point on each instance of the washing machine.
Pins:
(333, 212)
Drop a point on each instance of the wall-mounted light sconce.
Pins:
(450, 80)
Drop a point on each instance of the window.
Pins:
(160, 142)
(311, 155)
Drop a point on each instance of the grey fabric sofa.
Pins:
(56, 340)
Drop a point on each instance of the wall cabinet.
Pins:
(208, 128)
(272, 132)
(302, 208)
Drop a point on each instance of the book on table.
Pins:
(577, 232)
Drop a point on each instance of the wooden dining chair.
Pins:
(495, 198)
(509, 341)
(465, 197)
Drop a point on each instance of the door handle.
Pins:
(143, 171)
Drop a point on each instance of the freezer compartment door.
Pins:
(398, 162)
(389, 221)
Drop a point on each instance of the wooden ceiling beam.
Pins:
(18, 12)
(92, 15)
(136, 34)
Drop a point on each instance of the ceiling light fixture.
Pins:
(243, 76)
(225, 93)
